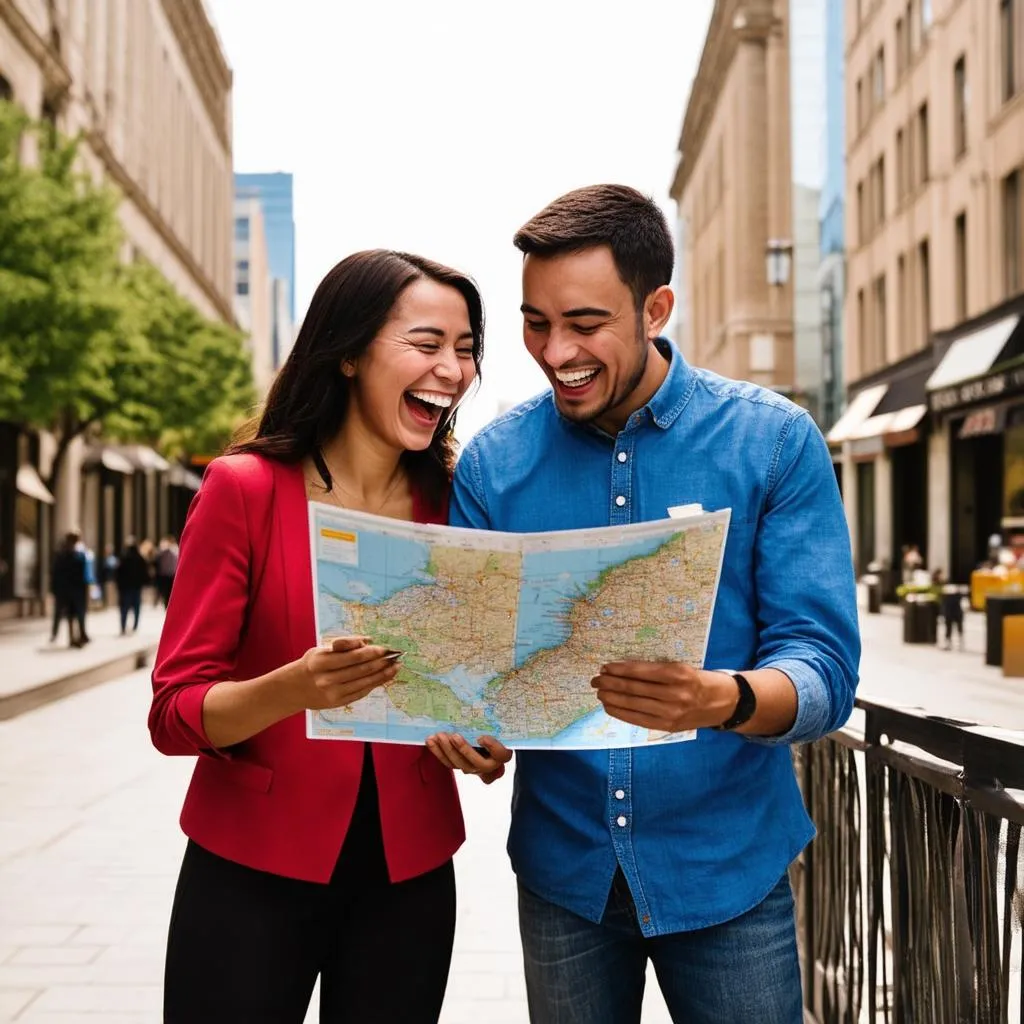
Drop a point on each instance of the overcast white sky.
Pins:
(439, 128)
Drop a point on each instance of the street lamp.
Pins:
(778, 256)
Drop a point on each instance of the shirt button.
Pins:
(620, 501)
(622, 456)
(620, 794)
(621, 821)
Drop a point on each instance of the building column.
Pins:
(939, 498)
(883, 508)
(850, 499)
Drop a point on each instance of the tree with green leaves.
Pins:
(89, 344)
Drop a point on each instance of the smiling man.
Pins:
(676, 853)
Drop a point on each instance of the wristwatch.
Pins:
(745, 706)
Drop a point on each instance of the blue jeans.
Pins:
(739, 972)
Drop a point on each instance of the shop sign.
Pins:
(993, 386)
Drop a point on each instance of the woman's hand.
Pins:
(341, 672)
(454, 752)
(331, 676)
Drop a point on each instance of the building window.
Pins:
(242, 288)
(862, 228)
(960, 106)
(242, 265)
(924, 273)
(879, 317)
(242, 229)
(914, 24)
(1013, 214)
(862, 328)
(901, 304)
(878, 80)
(901, 60)
(921, 149)
(1008, 48)
(926, 18)
(6, 92)
(860, 105)
(877, 192)
(960, 265)
(901, 167)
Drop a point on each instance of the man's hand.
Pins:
(454, 752)
(665, 695)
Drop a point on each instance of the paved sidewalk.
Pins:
(36, 671)
(89, 851)
(89, 844)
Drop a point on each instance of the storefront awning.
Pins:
(144, 458)
(973, 355)
(102, 455)
(857, 412)
(28, 483)
(179, 476)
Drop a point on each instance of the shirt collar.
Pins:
(669, 400)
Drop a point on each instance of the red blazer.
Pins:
(278, 802)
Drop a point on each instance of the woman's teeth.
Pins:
(432, 398)
(576, 378)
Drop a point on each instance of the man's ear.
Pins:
(657, 310)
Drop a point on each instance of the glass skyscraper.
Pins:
(274, 192)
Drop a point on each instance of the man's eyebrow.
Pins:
(587, 311)
(581, 311)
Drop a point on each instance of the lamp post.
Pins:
(778, 256)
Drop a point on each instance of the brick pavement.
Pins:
(89, 844)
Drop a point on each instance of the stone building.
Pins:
(147, 84)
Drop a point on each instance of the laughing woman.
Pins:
(306, 858)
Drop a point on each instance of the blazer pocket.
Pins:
(246, 774)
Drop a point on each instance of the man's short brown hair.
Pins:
(628, 222)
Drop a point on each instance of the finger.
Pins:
(488, 777)
(455, 748)
(634, 687)
(434, 746)
(639, 705)
(652, 671)
(349, 692)
(632, 717)
(340, 644)
(357, 675)
(480, 763)
(494, 749)
(329, 661)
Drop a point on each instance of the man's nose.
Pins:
(560, 349)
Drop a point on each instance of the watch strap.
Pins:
(746, 705)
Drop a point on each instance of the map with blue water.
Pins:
(501, 633)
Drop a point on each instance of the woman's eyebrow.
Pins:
(436, 331)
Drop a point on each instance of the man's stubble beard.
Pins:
(622, 393)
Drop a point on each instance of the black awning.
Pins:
(906, 391)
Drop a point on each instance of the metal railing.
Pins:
(911, 899)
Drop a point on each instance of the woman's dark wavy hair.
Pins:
(309, 398)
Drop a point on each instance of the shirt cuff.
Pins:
(813, 705)
(188, 705)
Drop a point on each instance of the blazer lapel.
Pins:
(292, 541)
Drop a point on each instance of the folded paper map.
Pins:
(503, 632)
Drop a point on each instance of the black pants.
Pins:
(130, 600)
(245, 947)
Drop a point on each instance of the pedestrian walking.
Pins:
(314, 858)
(131, 575)
(165, 566)
(69, 586)
(671, 853)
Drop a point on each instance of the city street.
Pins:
(89, 845)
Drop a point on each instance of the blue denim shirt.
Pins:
(702, 829)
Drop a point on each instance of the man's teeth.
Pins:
(574, 378)
(433, 398)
